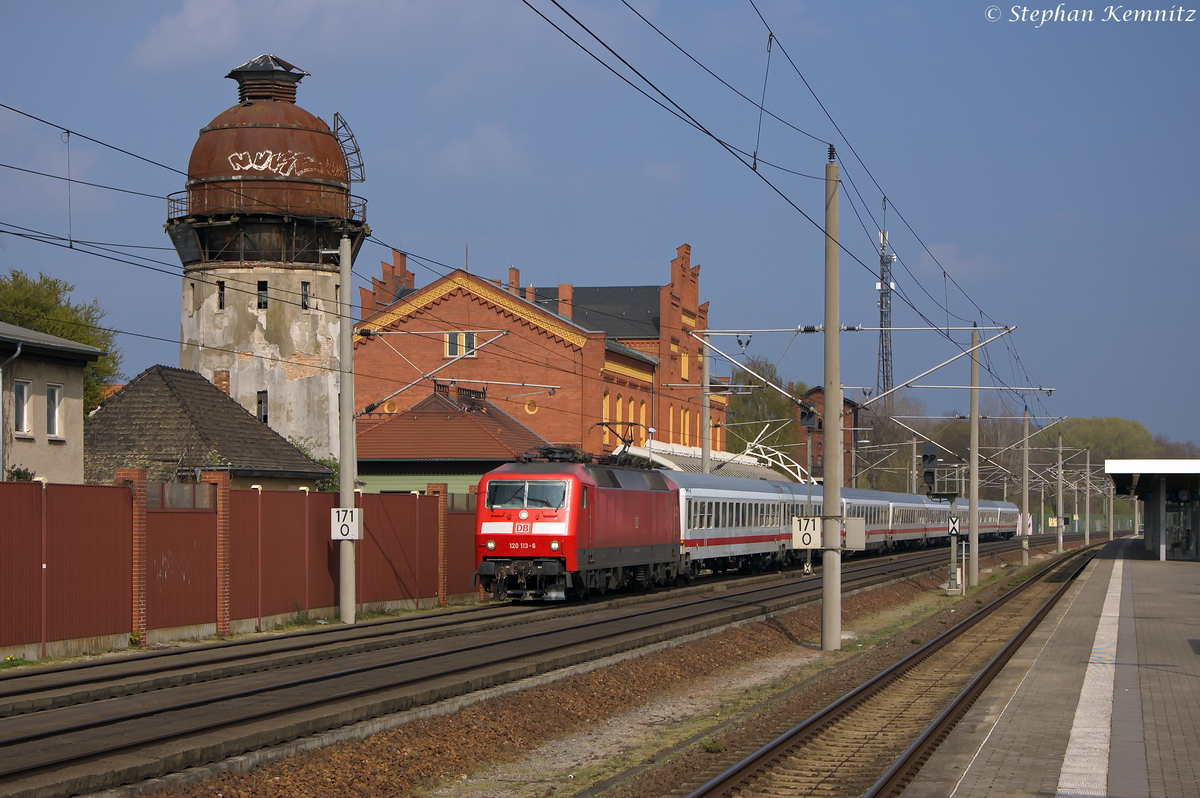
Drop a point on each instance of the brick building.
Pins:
(849, 421)
(560, 359)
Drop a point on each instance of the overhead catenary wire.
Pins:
(680, 112)
(732, 149)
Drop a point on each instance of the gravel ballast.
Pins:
(581, 735)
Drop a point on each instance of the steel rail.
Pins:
(343, 641)
(233, 650)
(766, 756)
(742, 601)
(905, 768)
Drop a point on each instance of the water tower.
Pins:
(268, 198)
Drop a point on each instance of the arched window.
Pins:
(631, 418)
(642, 419)
(620, 408)
(687, 428)
(671, 426)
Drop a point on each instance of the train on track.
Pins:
(556, 528)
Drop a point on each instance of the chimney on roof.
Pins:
(514, 280)
(529, 295)
(566, 299)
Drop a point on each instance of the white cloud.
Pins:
(663, 175)
(951, 259)
(201, 29)
(489, 149)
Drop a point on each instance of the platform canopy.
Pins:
(1138, 477)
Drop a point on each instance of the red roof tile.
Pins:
(442, 428)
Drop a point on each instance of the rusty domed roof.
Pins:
(267, 154)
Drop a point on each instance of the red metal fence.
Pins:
(181, 568)
(282, 560)
(21, 581)
(65, 562)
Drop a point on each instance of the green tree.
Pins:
(334, 481)
(1107, 438)
(755, 407)
(45, 305)
(886, 462)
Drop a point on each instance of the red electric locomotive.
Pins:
(546, 530)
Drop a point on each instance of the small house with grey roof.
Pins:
(41, 404)
(174, 423)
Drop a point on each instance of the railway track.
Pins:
(92, 726)
(873, 740)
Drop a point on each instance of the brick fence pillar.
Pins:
(473, 490)
(221, 480)
(135, 480)
(441, 490)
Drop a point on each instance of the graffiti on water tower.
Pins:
(285, 164)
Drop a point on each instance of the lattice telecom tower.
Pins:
(885, 286)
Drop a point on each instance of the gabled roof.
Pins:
(623, 311)
(43, 346)
(442, 427)
(167, 419)
(567, 329)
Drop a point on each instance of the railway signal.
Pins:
(929, 461)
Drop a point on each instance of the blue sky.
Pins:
(1050, 170)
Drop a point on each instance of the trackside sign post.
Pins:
(806, 533)
(345, 523)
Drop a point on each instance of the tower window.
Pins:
(262, 294)
(460, 343)
(305, 296)
(220, 294)
(261, 411)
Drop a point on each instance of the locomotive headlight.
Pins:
(555, 545)
(523, 514)
(491, 545)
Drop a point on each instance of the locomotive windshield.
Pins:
(527, 493)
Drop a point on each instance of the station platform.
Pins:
(1102, 700)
